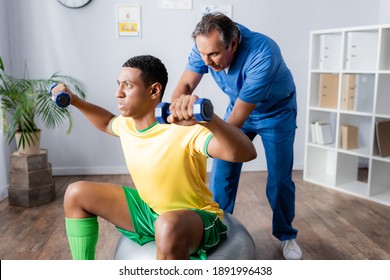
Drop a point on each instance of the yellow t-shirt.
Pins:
(167, 163)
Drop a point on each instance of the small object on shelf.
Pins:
(383, 137)
(349, 137)
(313, 132)
(324, 133)
(365, 86)
(348, 92)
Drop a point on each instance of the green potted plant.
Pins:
(23, 100)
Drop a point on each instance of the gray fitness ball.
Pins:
(238, 245)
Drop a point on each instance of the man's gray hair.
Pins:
(227, 29)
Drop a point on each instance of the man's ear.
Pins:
(234, 45)
(155, 90)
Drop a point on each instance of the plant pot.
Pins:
(29, 149)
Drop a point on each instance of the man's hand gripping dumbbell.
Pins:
(189, 109)
(62, 99)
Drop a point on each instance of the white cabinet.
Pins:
(349, 92)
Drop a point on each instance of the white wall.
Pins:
(384, 12)
(4, 53)
(82, 43)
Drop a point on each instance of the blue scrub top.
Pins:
(257, 74)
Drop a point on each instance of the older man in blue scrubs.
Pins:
(249, 68)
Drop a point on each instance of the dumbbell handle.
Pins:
(202, 110)
(62, 99)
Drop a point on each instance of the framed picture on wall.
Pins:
(128, 18)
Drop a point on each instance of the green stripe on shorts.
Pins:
(214, 232)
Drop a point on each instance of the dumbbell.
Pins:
(62, 99)
(203, 111)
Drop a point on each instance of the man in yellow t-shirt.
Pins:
(167, 162)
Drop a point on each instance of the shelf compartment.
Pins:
(326, 49)
(383, 95)
(376, 150)
(364, 125)
(380, 182)
(350, 176)
(320, 164)
(357, 92)
(323, 117)
(324, 88)
(361, 50)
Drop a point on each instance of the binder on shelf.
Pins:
(313, 133)
(365, 86)
(323, 133)
(383, 137)
(361, 50)
(349, 137)
(348, 92)
(328, 90)
(329, 57)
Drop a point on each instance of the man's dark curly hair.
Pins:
(153, 70)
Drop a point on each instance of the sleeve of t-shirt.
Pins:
(114, 125)
(195, 62)
(259, 77)
(200, 140)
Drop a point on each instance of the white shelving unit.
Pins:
(349, 84)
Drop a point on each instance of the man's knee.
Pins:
(168, 225)
(73, 194)
(169, 232)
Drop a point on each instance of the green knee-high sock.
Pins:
(82, 235)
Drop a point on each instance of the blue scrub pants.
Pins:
(280, 189)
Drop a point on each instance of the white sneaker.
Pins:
(291, 250)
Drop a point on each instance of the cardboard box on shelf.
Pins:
(383, 137)
(349, 137)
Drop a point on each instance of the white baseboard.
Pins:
(3, 193)
(103, 170)
(111, 170)
(248, 167)
(69, 171)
